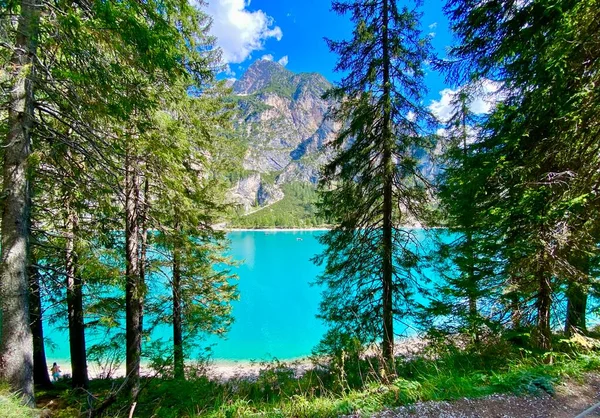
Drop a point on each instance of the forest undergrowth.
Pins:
(348, 382)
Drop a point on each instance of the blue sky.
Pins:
(293, 32)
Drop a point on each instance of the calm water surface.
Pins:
(276, 314)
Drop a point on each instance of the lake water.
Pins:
(276, 314)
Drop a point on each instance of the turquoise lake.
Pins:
(276, 314)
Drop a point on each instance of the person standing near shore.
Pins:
(55, 370)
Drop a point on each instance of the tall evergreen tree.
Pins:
(539, 187)
(16, 344)
(373, 186)
(100, 69)
(458, 259)
(186, 209)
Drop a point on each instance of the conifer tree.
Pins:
(458, 259)
(187, 191)
(373, 186)
(100, 71)
(16, 343)
(541, 203)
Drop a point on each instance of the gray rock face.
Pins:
(282, 118)
(252, 191)
(245, 191)
(268, 194)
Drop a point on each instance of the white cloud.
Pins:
(443, 109)
(239, 31)
(283, 60)
(267, 57)
(433, 25)
(486, 97)
(228, 71)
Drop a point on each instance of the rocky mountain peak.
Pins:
(281, 118)
(261, 75)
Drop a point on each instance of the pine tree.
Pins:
(540, 197)
(373, 186)
(186, 193)
(16, 344)
(458, 259)
(100, 71)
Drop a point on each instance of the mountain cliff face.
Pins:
(281, 119)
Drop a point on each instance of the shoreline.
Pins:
(274, 229)
(225, 369)
(221, 370)
(307, 229)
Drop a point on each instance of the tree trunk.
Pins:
(40, 366)
(576, 309)
(472, 290)
(144, 208)
(516, 312)
(177, 330)
(16, 345)
(134, 292)
(387, 267)
(75, 304)
(544, 301)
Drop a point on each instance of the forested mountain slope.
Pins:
(281, 122)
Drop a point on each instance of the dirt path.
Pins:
(571, 399)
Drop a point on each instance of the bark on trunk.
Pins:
(387, 267)
(516, 313)
(134, 288)
(16, 344)
(472, 290)
(544, 301)
(177, 329)
(144, 208)
(576, 309)
(75, 304)
(40, 366)
(577, 297)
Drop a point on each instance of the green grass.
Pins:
(446, 378)
(348, 384)
(324, 393)
(11, 406)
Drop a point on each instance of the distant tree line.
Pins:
(296, 210)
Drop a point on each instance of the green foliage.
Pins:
(529, 229)
(278, 391)
(250, 102)
(12, 407)
(296, 210)
(131, 133)
(373, 186)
